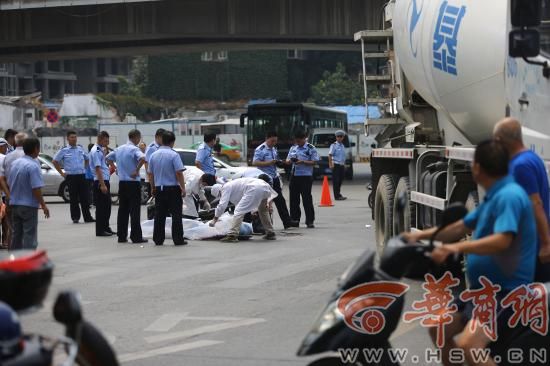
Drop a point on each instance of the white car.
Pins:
(55, 185)
(223, 169)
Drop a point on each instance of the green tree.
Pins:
(337, 88)
(137, 83)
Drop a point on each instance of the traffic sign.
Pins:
(52, 116)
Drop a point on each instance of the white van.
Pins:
(322, 138)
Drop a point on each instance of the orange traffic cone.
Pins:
(326, 200)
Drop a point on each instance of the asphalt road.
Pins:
(210, 303)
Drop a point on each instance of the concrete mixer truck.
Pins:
(444, 72)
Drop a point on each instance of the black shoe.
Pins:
(159, 244)
(89, 220)
(182, 243)
(292, 223)
(270, 236)
(123, 240)
(105, 233)
(75, 221)
(142, 241)
(109, 230)
(341, 198)
(310, 226)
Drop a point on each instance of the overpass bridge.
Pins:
(63, 29)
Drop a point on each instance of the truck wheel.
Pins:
(403, 219)
(383, 210)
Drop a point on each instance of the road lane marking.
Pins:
(166, 322)
(257, 278)
(166, 350)
(204, 330)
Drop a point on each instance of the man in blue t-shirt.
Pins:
(529, 172)
(502, 249)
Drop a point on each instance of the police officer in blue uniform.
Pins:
(129, 159)
(337, 162)
(302, 156)
(266, 159)
(204, 160)
(75, 161)
(154, 146)
(102, 194)
(168, 187)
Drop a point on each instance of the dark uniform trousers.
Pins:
(301, 186)
(78, 194)
(102, 208)
(338, 174)
(168, 200)
(280, 202)
(129, 204)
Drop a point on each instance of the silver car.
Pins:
(55, 185)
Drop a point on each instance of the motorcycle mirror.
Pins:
(67, 309)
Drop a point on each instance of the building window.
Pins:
(295, 55)
(222, 56)
(219, 56)
(206, 56)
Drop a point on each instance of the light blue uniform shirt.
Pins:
(306, 152)
(266, 153)
(97, 159)
(127, 158)
(338, 152)
(25, 175)
(505, 209)
(72, 158)
(204, 156)
(164, 164)
(153, 146)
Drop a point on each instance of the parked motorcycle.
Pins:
(25, 277)
(330, 332)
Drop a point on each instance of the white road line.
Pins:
(257, 278)
(166, 350)
(203, 330)
(166, 322)
(184, 273)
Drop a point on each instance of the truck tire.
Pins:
(383, 210)
(94, 349)
(403, 219)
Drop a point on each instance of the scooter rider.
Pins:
(503, 247)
